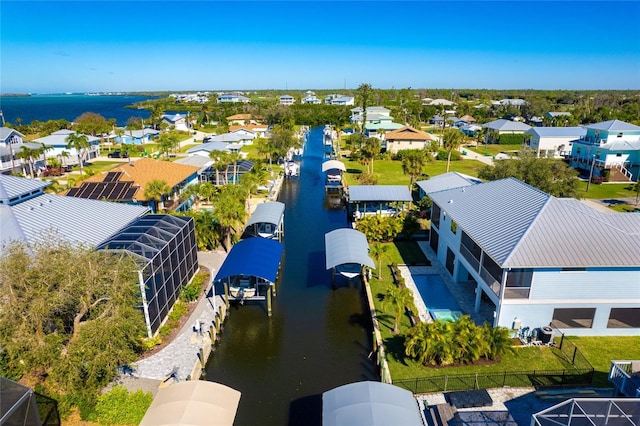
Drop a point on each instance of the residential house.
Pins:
(233, 98)
(246, 136)
(407, 138)
(176, 121)
(287, 100)
(374, 114)
(611, 145)
(259, 130)
(57, 143)
(540, 260)
(163, 246)
(441, 102)
(10, 144)
(437, 120)
(506, 127)
(241, 119)
(135, 137)
(311, 99)
(343, 100)
(510, 102)
(197, 159)
(552, 142)
(207, 148)
(128, 182)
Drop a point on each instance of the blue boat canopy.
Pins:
(256, 257)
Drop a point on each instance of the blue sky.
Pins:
(79, 46)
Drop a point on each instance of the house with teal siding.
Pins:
(537, 260)
(612, 146)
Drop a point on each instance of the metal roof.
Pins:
(359, 193)
(13, 186)
(76, 219)
(522, 227)
(195, 160)
(333, 165)
(558, 132)
(371, 404)
(256, 257)
(6, 132)
(195, 403)
(346, 245)
(59, 138)
(446, 181)
(568, 233)
(495, 214)
(503, 125)
(613, 126)
(227, 137)
(209, 147)
(271, 212)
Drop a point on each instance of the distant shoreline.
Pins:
(14, 95)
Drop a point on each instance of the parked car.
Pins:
(118, 154)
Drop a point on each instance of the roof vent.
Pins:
(131, 164)
(450, 201)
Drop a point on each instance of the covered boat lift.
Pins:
(377, 199)
(193, 402)
(267, 221)
(347, 251)
(334, 170)
(250, 270)
(370, 404)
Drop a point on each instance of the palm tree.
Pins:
(370, 148)
(378, 252)
(400, 299)
(221, 164)
(413, 162)
(234, 157)
(499, 339)
(26, 155)
(134, 123)
(155, 190)
(452, 140)
(430, 343)
(80, 143)
(43, 150)
(229, 211)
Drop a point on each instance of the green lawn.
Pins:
(187, 147)
(99, 166)
(389, 172)
(492, 149)
(600, 351)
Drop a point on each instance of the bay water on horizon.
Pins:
(70, 107)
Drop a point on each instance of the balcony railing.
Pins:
(625, 376)
(517, 292)
(475, 263)
(491, 281)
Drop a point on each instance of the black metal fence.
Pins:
(534, 378)
(578, 374)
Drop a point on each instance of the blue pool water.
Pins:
(437, 298)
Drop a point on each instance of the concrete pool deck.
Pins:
(463, 293)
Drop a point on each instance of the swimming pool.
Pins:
(437, 298)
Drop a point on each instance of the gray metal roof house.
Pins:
(540, 259)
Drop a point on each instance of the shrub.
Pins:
(179, 309)
(149, 343)
(118, 406)
(510, 139)
(165, 330)
(444, 154)
(191, 291)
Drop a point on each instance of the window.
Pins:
(620, 134)
(573, 317)
(624, 318)
(619, 154)
(454, 227)
(574, 269)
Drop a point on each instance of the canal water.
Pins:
(318, 338)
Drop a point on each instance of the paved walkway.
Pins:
(472, 155)
(179, 357)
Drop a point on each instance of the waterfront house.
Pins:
(57, 143)
(374, 113)
(128, 182)
(206, 149)
(445, 181)
(233, 98)
(135, 137)
(287, 100)
(163, 246)
(407, 138)
(608, 147)
(246, 135)
(10, 144)
(176, 121)
(259, 130)
(552, 142)
(540, 260)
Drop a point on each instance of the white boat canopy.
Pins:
(370, 404)
(333, 164)
(271, 212)
(193, 402)
(345, 245)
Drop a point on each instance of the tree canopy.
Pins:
(68, 315)
(551, 176)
